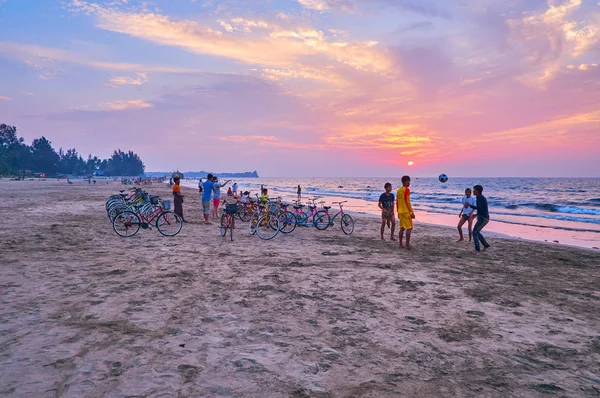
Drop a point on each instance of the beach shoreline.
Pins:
(316, 313)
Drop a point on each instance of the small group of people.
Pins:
(210, 191)
(471, 208)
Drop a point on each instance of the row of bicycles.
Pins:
(268, 218)
(137, 209)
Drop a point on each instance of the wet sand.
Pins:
(86, 313)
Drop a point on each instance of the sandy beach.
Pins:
(86, 313)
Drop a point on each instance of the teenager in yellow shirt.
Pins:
(405, 212)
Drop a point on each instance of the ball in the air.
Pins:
(443, 178)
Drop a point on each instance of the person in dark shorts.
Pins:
(386, 204)
(466, 215)
(483, 217)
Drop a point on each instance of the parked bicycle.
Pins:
(323, 220)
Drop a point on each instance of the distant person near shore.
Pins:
(405, 212)
(466, 214)
(206, 195)
(178, 199)
(483, 217)
(234, 188)
(386, 204)
(299, 193)
(200, 187)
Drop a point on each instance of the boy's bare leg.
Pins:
(408, 232)
(400, 237)
(392, 237)
(460, 224)
(470, 228)
(382, 227)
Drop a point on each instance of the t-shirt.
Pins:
(234, 187)
(217, 190)
(208, 188)
(264, 198)
(387, 201)
(471, 201)
(176, 189)
(404, 206)
(244, 198)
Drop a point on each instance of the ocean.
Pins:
(556, 210)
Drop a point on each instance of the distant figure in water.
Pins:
(386, 204)
(299, 193)
(178, 199)
(483, 217)
(466, 214)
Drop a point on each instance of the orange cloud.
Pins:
(126, 104)
(2, 97)
(139, 79)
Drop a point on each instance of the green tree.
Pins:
(14, 154)
(124, 164)
(44, 157)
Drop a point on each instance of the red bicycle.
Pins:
(127, 223)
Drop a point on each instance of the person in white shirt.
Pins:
(466, 214)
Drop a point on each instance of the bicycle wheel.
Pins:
(245, 214)
(253, 223)
(169, 223)
(287, 221)
(126, 223)
(347, 224)
(321, 220)
(267, 227)
(223, 226)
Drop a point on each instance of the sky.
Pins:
(310, 88)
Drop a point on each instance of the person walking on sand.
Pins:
(234, 188)
(178, 199)
(217, 195)
(483, 217)
(207, 189)
(405, 212)
(299, 194)
(466, 214)
(386, 204)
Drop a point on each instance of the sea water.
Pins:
(566, 210)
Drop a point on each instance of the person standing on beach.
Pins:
(178, 198)
(299, 194)
(405, 212)
(206, 194)
(234, 189)
(386, 204)
(483, 217)
(217, 195)
(466, 214)
(200, 186)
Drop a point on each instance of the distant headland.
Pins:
(203, 174)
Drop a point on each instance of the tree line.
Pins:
(18, 158)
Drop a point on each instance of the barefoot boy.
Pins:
(483, 217)
(386, 204)
(405, 212)
(466, 214)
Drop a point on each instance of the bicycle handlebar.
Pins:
(339, 203)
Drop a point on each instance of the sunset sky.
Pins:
(311, 87)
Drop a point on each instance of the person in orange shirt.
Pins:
(405, 212)
(178, 198)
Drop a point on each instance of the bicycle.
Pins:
(323, 220)
(128, 222)
(263, 223)
(228, 219)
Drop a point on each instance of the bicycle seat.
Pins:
(327, 207)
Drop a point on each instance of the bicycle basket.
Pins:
(231, 209)
(154, 200)
(166, 205)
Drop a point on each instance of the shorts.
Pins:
(466, 217)
(206, 206)
(387, 215)
(405, 221)
(216, 202)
